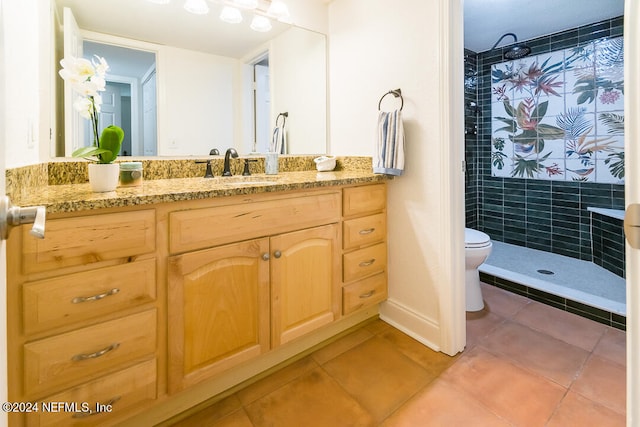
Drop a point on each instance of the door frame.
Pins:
(632, 195)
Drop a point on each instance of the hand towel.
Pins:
(278, 140)
(389, 158)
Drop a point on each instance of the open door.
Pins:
(632, 200)
(73, 128)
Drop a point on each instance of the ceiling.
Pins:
(170, 24)
(486, 20)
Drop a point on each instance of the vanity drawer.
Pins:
(73, 357)
(363, 293)
(363, 231)
(364, 199)
(64, 300)
(364, 262)
(131, 387)
(88, 239)
(201, 228)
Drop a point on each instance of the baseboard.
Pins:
(421, 328)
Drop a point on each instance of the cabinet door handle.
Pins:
(265, 256)
(368, 294)
(107, 408)
(99, 353)
(277, 254)
(78, 300)
(367, 231)
(367, 263)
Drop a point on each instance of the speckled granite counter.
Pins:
(79, 197)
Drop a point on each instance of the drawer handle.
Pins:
(367, 231)
(368, 294)
(367, 263)
(78, 300)
(99, 353)
(100, 408)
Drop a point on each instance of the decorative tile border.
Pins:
(560, 115)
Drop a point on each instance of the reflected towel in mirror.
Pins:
(279, 140)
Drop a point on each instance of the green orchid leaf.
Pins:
(88, 151)
(111, 142)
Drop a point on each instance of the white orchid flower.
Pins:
(84, 106)
(100, 65)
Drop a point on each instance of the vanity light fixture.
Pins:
(199, 7)
(246, 4)
(278, 9)
(260, 23)
(231, 15)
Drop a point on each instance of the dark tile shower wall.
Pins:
(546, 215)
(471, 110)
(608, 243)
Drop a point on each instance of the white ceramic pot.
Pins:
(103, 177)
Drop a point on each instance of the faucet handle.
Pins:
(208, 173)
(246, 171)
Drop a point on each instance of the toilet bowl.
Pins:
(477, 247)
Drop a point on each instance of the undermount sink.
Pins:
(244, 180)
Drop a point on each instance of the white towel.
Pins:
(278, 140)
(389, 157)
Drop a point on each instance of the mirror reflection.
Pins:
(182, 100)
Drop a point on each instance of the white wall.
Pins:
(27, 83)
(376, 46)
(295, 88)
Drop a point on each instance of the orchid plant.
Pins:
(87, 78)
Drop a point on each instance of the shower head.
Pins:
(516, 50)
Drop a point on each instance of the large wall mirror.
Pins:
(184, 84)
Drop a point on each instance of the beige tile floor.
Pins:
(526, 364)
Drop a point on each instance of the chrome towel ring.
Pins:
(397, 93)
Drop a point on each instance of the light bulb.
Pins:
(247, 4)
(199, 7)
(260, 23)
(231, 15)
(278, 9)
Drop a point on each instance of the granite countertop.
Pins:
(79, 197)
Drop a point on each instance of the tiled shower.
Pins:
(543, 214)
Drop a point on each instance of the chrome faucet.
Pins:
(230, 152)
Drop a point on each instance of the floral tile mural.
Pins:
(560, 115)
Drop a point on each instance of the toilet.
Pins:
(477, 247)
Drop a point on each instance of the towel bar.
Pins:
(396, 93)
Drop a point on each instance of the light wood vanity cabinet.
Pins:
(364, 261)
(82, 317)
(233, 302)
(132, 306)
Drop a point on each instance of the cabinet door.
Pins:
(305, 281)
(218, 310)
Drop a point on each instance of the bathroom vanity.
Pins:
(141, 304)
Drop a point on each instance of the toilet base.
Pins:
(474, 300)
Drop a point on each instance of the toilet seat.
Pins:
(475, 239)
